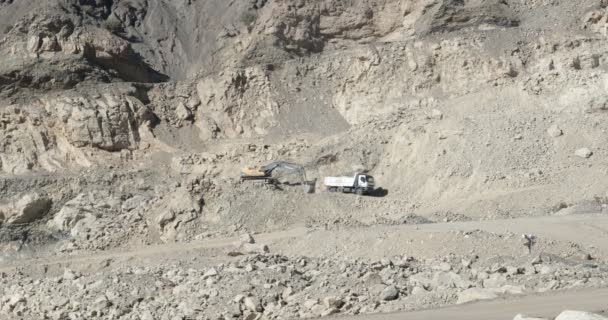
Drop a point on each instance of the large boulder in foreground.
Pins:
(579, 315)
(475, 294)
(524, 317)
(25, 209)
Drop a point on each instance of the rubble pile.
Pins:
(274, 286)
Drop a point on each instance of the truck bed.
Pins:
(339, 181)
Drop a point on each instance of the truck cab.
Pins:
(364, 184)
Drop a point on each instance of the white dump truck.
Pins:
(358, 183)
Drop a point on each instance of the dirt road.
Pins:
(372, 242)
(427, 240)
(153, 250)
(505, 309)
(377, 241)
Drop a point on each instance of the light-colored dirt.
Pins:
(437, 239)
(174, 250)
(425, 240)
(124, 125)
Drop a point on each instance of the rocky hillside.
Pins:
(451, 104)
(126, 123)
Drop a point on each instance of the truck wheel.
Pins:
(359, 191)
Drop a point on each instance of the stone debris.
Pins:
(475, 294)
(390, 293)
(579, 315)
(274, 286)
(583, 153)
(247, 238)
(25, 209)
(252, 304)
(566, 315)
(332, 302)
(554, 131)
(255, 248)
(524, 317)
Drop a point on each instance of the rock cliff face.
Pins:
(90, 83)
(54, 130)
(49, 51)
(126, 122)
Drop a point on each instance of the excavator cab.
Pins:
(254, 171)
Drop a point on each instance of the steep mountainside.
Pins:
(126, 123)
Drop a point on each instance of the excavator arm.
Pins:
(287, 166)
(265, 172)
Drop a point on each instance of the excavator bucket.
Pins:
(308, 187)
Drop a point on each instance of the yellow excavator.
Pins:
(265, 173)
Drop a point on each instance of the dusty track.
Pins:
(430, 239)
(173, 248)
(587, 230)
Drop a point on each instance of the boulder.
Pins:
(495, 281)
(389, 293)
(449, 280)
(308, 304)
(15, 299)
(101, 303)
(26, 209)
(524, 317)
(253, 304)
(554, 131)
(475, 294)
(179, 209)
(146, 315)
(332, 302)
(247, 238)
(182, 112)
(436, 114)
(70, 275)
(329, 312)
(374, 283)
(418, 290)
(210, 273)
(287, 292)
(421, 280)
(255, 248)
(583, 153)
(444, 266)
(509, 289)
(67, 218)
(511, 271)
(252, 316)
(133, 202)
(579, 315)
(81, 215)
(546, 269)
(234, 310)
